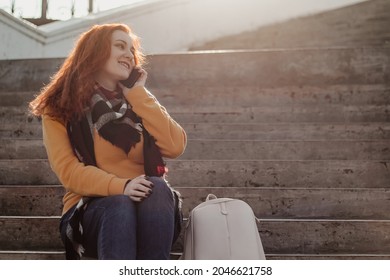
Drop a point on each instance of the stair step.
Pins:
(265, 202)
(22, 148)
(33, 200)
(327, 256)
(247, 131)
(21, 130)
(32, 255)
(259, 68)
(288, 131)
(30, 233)
(47, 255)
(325, 236)
(270, 68)
(246, 96)
(287, 236)
(233, 173)
(12, 148)
(279, 203)
(284, 174)
(60, 255)
(287, 150)
(274, 114)
(293, 114)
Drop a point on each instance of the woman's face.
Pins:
(120, 63)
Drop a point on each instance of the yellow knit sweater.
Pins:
(114, 167)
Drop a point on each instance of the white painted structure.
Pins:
(164, 25)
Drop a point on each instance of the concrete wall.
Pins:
(164, 25)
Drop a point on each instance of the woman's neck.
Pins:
(106, 83)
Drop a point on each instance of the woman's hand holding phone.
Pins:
(137, 77)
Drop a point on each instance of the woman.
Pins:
(94, 130)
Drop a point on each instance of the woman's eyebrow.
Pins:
(124, 42)
(120, 40)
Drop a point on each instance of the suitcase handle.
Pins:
(211, 196)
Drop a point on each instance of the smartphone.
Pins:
(133, 77)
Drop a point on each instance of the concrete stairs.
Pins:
(303, 136)
(363, 24)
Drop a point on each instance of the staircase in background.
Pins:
(303, 136)
(359, 25)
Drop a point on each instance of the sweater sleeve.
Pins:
(170, 136)
(74, 175)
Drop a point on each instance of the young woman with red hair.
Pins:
(105, 143)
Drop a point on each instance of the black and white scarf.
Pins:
(113, 118)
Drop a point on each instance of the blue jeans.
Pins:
(117, 228)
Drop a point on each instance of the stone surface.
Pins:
(302, 135)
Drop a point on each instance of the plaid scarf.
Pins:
(112, 116)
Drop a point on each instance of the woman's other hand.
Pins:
(138, 189)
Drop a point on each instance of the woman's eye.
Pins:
(120, 46)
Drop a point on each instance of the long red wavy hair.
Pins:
(70, 89)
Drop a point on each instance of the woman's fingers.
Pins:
(143, 180)
(146, 183)
(137, 195)
(142, 79)
(139, 188)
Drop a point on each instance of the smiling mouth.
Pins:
(124, 64)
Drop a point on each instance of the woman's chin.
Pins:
(123, 76)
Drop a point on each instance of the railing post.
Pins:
(44, 9)
(90, 7)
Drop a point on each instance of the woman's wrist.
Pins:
(124, 188)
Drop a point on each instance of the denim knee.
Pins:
(110, 228)
(156, 222)
(161, 198)
(119, 205)
(160, 186)
(115, 210)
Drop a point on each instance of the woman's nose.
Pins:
(130, 54)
